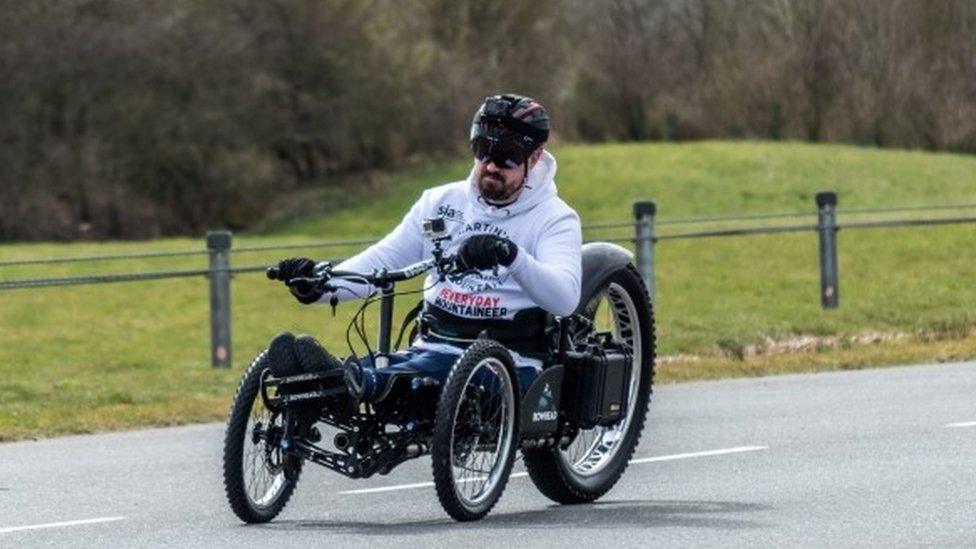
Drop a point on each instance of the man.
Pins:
(520, 240)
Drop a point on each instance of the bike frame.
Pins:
(317, 387)
(385, 282)
(395, 448)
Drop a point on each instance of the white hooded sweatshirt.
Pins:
(546, 272)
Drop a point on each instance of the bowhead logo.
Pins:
(544, 416)
(545, 401)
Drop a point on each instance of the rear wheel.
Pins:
(475, 431)
(596, 458)
(258, 477)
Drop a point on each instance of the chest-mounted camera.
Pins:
(435, 228)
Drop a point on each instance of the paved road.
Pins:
(864, 458)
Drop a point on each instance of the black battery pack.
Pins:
(595, 385)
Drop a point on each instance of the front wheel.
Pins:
(258, 477)
(597, 457)
(475, 431)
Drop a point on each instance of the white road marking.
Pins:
(736, 450)
(417, 485)
(389, 488)
(963, 424)
(60, 524)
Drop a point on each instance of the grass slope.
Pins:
(76, 359)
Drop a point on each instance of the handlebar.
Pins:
(274, 273)
(447, 267)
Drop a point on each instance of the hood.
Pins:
(540, 186)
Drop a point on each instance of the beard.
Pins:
(496, 189)
(493, 188)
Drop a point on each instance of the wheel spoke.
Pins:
(482, 427)
(613, 310)
(263, 475)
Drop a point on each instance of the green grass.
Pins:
(79, 359)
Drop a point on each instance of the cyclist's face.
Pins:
(501, 184)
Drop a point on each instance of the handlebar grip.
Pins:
(273, 273)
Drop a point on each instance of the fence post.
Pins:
(827, 227)
(644, 212)
(218, 246)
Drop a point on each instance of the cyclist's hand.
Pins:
(293, 272)
(295, 267)
(305, 291)
(485, 251)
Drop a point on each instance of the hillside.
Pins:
(110, 356)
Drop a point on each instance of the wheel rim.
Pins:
(482, 432)
(593, 449)
(264, 475)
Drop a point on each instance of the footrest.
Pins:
(306, 387)
(285, 400)
(272, 381)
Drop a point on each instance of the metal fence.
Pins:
(642, 234)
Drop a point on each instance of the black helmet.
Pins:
(508, 128)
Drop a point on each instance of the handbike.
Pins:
(577, 424)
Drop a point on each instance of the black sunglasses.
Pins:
(509, 153)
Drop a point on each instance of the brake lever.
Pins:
(318, 282)
(448, 269)
(322, 268)
(451, 270)
(457, 275)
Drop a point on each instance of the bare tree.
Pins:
(137, 119)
